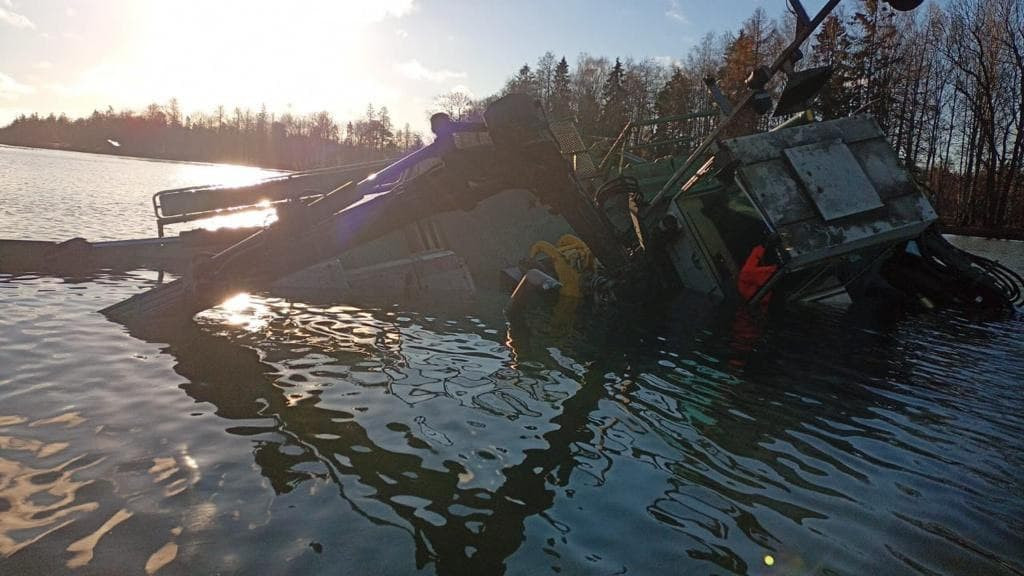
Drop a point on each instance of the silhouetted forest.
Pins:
(240, 136)
(945, 82)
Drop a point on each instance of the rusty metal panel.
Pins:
(775, 193)
(833, 179)
(883, 167)
(769, 145)
(808, 242)
(829, 188)
(858, 128)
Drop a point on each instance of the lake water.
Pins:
(288, 437)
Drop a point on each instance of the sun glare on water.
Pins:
(224, 174)
(231, 176)
(242, 310)
(240, 219)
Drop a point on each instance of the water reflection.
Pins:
(36, 501)
(242, 310)
(674, 438)
(230, 176)
(826, 440)
(238, 219)
(747, 440)
(222, 174)
(459, 487)
(95, 196)
(678, 439)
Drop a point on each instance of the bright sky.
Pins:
(74, 56)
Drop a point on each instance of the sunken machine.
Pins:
(806, 211)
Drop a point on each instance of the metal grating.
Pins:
(573, 149)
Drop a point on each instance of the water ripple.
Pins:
(282, 436)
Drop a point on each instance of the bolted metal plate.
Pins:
(833, 179)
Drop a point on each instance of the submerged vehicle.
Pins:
(806, 211)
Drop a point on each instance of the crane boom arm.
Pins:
(467, 163)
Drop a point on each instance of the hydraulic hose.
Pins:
(945, 274)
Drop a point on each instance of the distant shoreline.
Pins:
(982, 232)
(976, 231)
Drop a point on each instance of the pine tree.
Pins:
(832, 48)
(406, 138)
(614, 111)
(349, 134)
(524, 82)
(874, 57)
(174, 112)
(385, 136)
(676, 96)
(560, 104)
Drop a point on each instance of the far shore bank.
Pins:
(984, 232)
(994, 233)
(118, 154)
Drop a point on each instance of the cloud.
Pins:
(675, 12)
(106, 78)
(386, 8)
(43, 65)
(11, 89)
(417, 71)
(668, 61)
(12, 18)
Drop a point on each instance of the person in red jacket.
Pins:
(753, 275)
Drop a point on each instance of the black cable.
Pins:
(971, 275)
(1011, 282)
(627, 185)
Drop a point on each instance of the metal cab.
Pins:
(826, 198)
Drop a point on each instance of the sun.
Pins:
(297, 56)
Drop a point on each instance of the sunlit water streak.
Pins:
(54, 195)
(289, 437)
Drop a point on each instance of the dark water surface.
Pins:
(285, 437)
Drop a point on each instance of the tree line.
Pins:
(241, 136)
(944, 82)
